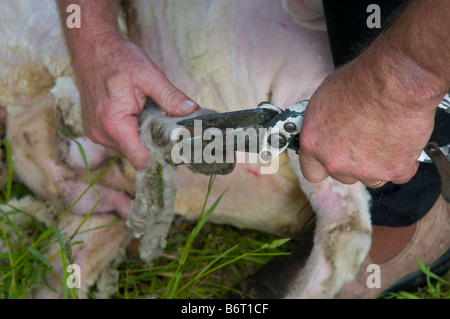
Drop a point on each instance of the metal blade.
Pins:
(246, 118)
(425, 158)
(441, 161)
(445, 103)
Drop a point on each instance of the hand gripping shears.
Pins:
(278, 130)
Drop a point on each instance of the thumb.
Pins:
(312, 170)
(170, 99)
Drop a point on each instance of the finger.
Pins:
(407, 176)
(312, 170)
(344, 179)
(155, 84)
(126, 134)
(374, 183)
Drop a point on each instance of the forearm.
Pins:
(411, 60)
(99, 23)
(422, 32)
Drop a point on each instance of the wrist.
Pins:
(401, 79)
(92, 51)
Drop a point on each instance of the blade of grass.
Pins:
(12, 286)
(88, 172)
(203, 271)
(173, 283)
(117, 222)
(64, 259)
(426, 270)
(51, 230)
(7, 193)
(85, 218)
(80, 148)
(405, 295)
(91, 184)
(252, 253)
(201, 222)
(64, 263)
(276, 243)
(39, 256)
(21, 262)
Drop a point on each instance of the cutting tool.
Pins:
(277, 130)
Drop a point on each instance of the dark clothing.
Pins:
(347, 28)
(392, 205)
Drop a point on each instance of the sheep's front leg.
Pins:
(153, 207)
(342, 237)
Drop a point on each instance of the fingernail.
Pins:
(187, 106)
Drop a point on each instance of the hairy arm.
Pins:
(371, 118)
(115, 77)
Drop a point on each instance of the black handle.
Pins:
(443, 166)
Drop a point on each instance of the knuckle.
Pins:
(388, 174)
(363, 172)
(307, 143)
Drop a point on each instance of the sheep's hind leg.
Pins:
(342, 239)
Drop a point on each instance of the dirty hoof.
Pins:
(274, 280)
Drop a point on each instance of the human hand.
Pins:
(370, 120)
(115, 78)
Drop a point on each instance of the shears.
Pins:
(279, 130)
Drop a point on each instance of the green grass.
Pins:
(23, 266)
(436, 288)
(201, 260)
(219, 258)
